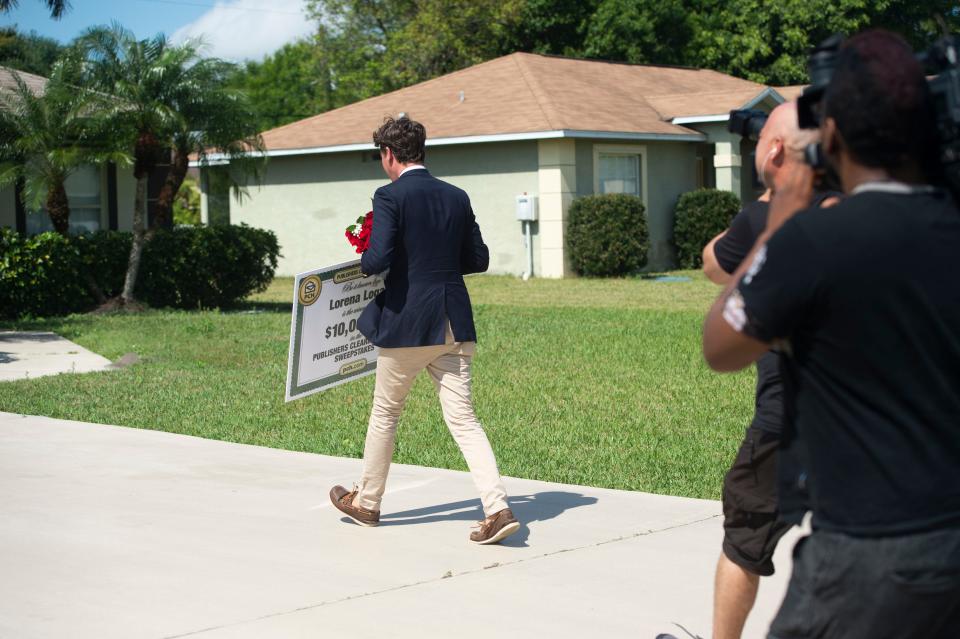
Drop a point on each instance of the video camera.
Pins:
(747, 123)
(941, 60)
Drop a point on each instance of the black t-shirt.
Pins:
(731, 249)
(737, 242)
(867, 298)
(734, 245)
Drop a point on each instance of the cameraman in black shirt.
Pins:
(864, 302)
(751, 524)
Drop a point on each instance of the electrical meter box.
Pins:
(527, 208)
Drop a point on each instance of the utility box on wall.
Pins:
(527, 208)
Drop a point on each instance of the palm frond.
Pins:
(10, 172)
(56, 7)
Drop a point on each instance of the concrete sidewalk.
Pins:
(116, 532)
(25, 355)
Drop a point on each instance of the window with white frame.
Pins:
(620, 168)
(620, 173)
(83, 195)
(83, 191)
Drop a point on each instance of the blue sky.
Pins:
(232, 29)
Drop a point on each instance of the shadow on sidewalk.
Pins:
(526, 508)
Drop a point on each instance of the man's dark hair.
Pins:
(879, 98)
(403, 136)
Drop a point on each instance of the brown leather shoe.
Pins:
(495, 528)
(343, 500)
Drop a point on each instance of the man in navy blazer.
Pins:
(425, 235)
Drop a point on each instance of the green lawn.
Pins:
(596, 382)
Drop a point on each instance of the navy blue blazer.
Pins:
(425, 232)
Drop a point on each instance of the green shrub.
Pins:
(40, 275)
(186, 204)
(607, 235)
(700, 215)
(188, 267)
(105, 255)
(206, 266)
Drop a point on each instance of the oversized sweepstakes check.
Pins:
(326, 349)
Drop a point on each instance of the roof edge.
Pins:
(692, 136)
(700, 119)
(723, 117)
(767, 92)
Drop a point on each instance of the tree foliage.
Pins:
(368, 47)
(186, 205)
(57, 7)
(212, 118)
(291, 84)
(555, 27)
(364, 48)
(48, 134)
(28, 52)
(447, 35)
(639, 31)
(167, 102)
(769, 42)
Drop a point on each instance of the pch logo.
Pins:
(309, 291)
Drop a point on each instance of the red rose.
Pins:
(359, 234)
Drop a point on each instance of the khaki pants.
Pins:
(449, 368)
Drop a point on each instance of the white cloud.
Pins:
(247, 30)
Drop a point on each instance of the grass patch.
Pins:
(596, 382)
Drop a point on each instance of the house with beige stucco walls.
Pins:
(100, 196)
(523, 124)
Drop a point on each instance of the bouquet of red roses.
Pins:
(359, 234)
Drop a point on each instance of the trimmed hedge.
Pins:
(607, 235)
(206, 266)
(38, 275)
(187, 267)
(105, 254)
(700, 215)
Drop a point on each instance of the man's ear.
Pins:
(778, 151)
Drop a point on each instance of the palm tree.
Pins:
(57, 7)
(46, 136)
(213, 119)
(143, 76)
(161, 106)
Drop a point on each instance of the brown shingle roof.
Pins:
(523, 92)
(36, 83)
(791, 92)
